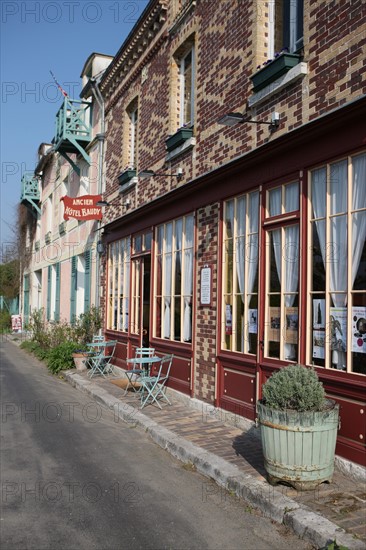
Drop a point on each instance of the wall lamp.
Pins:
(106, 203)
(151, 174)
(231, 119)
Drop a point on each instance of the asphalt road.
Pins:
(75, 477)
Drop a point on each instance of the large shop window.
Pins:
(119, 284)
(240, 274)
(174, 280)
(337, 232)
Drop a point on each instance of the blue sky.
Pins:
(37, 37)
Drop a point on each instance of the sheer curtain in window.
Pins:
(188, 280)
(358, 218)
(167, 279)
(291, 276)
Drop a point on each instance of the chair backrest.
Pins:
(109, 347)
(165, 366)
(145, 352)
(97, 338)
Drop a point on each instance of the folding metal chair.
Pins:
(100, 363)
(139, 353)
(155, 386)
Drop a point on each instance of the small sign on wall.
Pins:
(206, 289)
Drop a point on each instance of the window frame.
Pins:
(350, 292)
(234, 292)
(290, 16)
(118, 288)
(183, 87)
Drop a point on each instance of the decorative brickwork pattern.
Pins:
(206, 318)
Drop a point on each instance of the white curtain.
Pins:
(240, 244)
(252, 252)
(338, 232)
(240, 257)
(276, 240)
(292, 197)
(167, 279)
(359, 218)
(291, 276)
(275, 202)
(253, 240)
(318, 194)
(177, 269)
(188, 280)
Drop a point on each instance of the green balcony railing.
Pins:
(30, 194)
(73, 128)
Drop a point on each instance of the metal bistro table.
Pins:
(144, 363)
(101, 354)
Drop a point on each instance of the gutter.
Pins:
(101, 139)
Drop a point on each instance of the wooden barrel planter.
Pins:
(299, 447)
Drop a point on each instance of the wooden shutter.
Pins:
(49, 284)
(58, 285)
(74, 282)
(87, 258)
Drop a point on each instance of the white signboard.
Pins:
(205, 286)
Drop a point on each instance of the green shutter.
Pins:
(49, 283)
(26, 298)
(87, 257)
(58, 285)
(74, 282)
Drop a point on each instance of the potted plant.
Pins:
(298, 428)
(272, 69)
(127, 174)
(177, 139)
(79, 356)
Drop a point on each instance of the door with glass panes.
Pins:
(280, 318)
(140, 291)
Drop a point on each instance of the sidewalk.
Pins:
(233, 458)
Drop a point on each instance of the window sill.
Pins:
(188, 144)
(300, 70)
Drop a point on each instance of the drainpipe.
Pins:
(100, 137)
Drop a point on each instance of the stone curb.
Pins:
(304, 523)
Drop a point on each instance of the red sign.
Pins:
(16, 323)
(82, 208)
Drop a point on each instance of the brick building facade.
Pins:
(234, 172)
(220, 256)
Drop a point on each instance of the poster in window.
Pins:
(253, 321)
(228, 320)
(318, 313)
(359, 329)
(292, 325)
(274, 324)
(318, 344)
(338, 328)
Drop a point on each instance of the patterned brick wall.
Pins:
(231, 40)
(206, 318)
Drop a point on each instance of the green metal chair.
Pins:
(155, 386)
(137, 372)
(100, 363)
